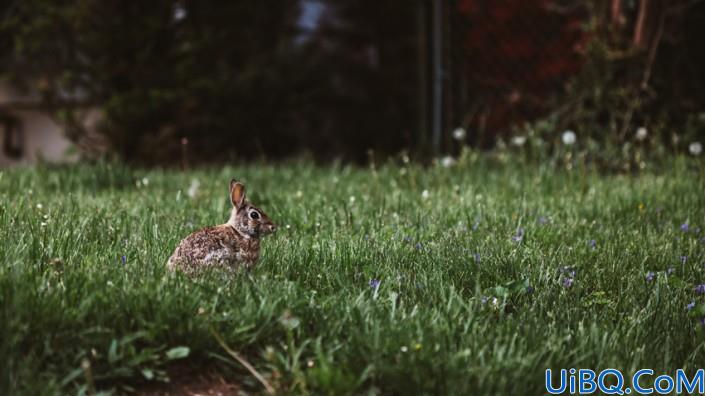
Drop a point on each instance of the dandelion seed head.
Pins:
(518, 140)
(641, 133)
(569, 138)
(459, 134)
(447, 161)
(179, 14)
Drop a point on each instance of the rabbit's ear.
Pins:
(237, 193)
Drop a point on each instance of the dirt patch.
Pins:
(186, 381)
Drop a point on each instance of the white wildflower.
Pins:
(40, 206)
(404, 349)
(425, 194)
(519, 140)
(459, 134)
(447, 161)
(494, 303)
(695, 148)
(569, 137)
(352, 199)
(145, 181)
(641, 133)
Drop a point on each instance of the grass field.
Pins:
(395, 279)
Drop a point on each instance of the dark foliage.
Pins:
(185, 80)
(219, 79)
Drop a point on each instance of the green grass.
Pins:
(74, 318)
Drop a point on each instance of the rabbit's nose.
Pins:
(272, 227)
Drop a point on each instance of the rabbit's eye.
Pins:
(254, 215)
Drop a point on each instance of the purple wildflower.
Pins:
(476, 256)
(519, 235)
(690, 306)
(670, 270)
(530, 289)
(568, 283)
(542, 220)
(685, 227)
(418, 246)
(483, 300)
(593, 244)
(123, 259)
(699, 289)
(650, 276)
(374, 283)
(407, 239)
(702, 321)
(568, 271)
(475, 226)
(684, 259)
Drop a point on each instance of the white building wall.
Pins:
(43, 137)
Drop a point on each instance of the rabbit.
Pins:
(226, 246)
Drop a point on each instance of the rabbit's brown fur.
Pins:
(228, 245)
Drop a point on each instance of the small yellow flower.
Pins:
(417, 346)
(641, 206)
